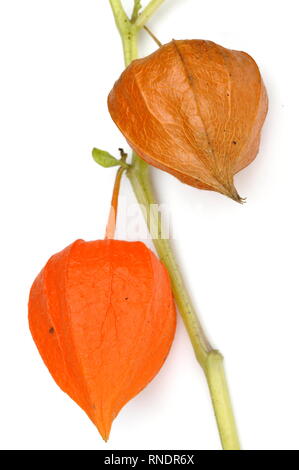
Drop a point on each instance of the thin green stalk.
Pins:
(148, 11)
(139, 177)
(220, 396)
(210, 360)
(136, 9)
(127, 31)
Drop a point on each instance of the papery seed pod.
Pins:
(103, 318)
(193, 109)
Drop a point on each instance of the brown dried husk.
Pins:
(194, 109)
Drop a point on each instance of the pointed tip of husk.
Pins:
(105, 435)
(237, 198)
(104, 429)
(233, 194)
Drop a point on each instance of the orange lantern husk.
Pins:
(194, 109)
(103, 318)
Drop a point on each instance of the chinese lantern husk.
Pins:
(103, 318)
(193, 109)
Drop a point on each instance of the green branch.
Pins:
(210, 360)
(148, 11)
(136, 9)
(120, 16)
(126, 29)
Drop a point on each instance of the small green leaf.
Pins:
(105, 159)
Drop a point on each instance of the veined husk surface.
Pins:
(194, 109)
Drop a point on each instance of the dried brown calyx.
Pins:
(193, 109)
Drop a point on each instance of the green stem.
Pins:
(139, 177)
(148, 11)
(210, 360)
(127, 31)
(221, 401)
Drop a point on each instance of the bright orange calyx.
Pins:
(103, 318)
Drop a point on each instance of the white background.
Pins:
(59, 59)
